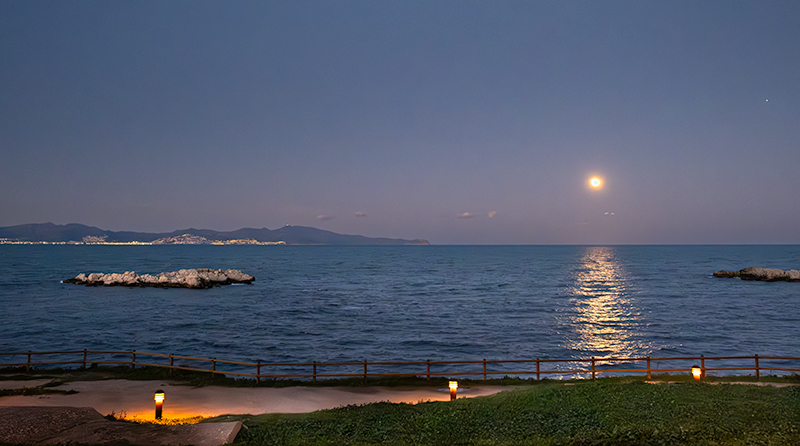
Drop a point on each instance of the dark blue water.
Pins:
(328, 303)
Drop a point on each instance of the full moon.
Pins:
(595, 182)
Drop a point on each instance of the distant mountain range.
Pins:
(291, 235)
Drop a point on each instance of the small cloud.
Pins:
(360, 214)
(324, 217)
(466, 215)
(492, 214)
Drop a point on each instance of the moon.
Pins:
(595, 182)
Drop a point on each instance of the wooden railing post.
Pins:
(702, 366)
(758, 371)
(84, 363)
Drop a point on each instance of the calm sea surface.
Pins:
(411, 303)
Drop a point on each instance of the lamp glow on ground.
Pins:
(453, 389)
(159, 397)
(696, 372)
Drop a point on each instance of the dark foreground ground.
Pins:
(84, 425)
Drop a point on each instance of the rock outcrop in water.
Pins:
(185, 278)
(763, 274)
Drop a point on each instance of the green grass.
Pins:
(606, 412)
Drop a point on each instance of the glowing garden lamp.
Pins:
(453, 389)
(159, 397)
(696, 372)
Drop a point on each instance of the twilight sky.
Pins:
(461, 122)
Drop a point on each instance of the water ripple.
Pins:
(406, 303)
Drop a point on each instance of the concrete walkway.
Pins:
(134, 399)
(79, 417)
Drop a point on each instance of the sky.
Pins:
(459, 122)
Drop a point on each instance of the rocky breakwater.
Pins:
(185, 278)
(763, 274)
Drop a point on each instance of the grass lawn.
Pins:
(606, 412)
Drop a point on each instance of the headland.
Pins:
(77, 234)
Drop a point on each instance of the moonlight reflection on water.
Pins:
(328, 303)
(603, 319)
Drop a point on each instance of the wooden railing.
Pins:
(380, 369)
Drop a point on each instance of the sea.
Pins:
(406, 303)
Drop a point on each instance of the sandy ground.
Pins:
(135, 398)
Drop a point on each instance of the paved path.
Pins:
(134, 399)
(79, 417)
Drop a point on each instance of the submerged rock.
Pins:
(185, 278)
(762, 274)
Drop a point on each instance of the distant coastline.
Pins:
(78, 234)
(180, 240)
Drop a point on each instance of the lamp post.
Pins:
(453, 389)
(159, 397)
(697, 373)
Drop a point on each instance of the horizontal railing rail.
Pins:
(383, 369)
